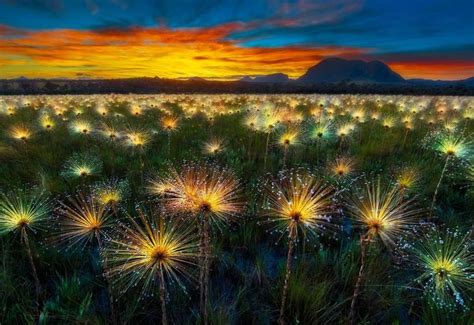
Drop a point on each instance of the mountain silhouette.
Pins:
(329, 76)
(275, 77)
(339, 70)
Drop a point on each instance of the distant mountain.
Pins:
(270, 78)
(468, 82)
(330, 76)
(196, 79)
(427, 82)
(335, 70)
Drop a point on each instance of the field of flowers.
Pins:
(236, 209)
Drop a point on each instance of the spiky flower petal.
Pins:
(141, 250)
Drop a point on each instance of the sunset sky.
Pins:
(226, 39)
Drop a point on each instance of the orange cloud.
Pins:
(171, 53)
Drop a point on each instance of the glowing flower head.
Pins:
(47, 122)
(322, 130)
(446, 263)
(408, 178)
(102, 109)
(382, 212)
(109, 132)
(82, 219)
(136, 110)
(289, 138)
(82, 165)
(20, 211)
(345, 130)
(251, 120)
(298, 201)
(21, 132)
(170, 122)
(136, 138)
(213, 146)
(358, 114)
(268, 120)
(453, 145)
(141, 252)
(341, 167)
(200, 189)
(111, 193)
(81, 127)
(388, 122)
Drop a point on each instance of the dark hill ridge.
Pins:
(157, 85)
(340, 70)
(467, 82)
(331, 75)
(275, 77)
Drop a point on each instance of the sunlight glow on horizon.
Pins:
(177, 53)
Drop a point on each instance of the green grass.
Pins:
(249, 262)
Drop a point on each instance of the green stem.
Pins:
(266, 152)
(24, 236)
(364, 241)
(164, 319)
(437, 186)
(113, 315)
(291, 243)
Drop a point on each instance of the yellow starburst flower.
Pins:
(21, 132)
(136, 138)
(251, 121)
(47, 122)
(20, 211)
(148, 251)
(298, 202)
(446, 263)
(388, 122)
(201, 189)
(382, 212)
(453, 145)
(109, 131)
(345, 130)
(213, 146)
(111, 193)
(358, 115)
(102, 109)
(408, 178)
(81, 220)
(289, 138)
(136, 110)
(170, 122)
(81, 165)
(374, 116)
(81, 127)
(322, 130)
(407, 119)
(268, 120)
(341, 167)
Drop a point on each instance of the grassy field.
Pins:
(244, 209)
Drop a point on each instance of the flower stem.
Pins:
(266, 152)
(113, 315)
(24, 236)
(164, 319)
(291, 244)
(204, 271)
(437, 186)
(364, 241)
